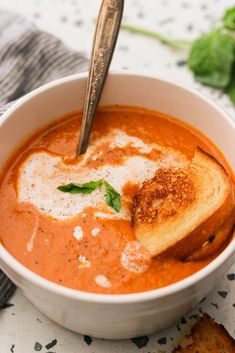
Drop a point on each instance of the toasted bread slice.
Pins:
(178, 210)
(216, 241)
(208, 336)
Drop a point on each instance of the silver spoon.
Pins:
(105, 39)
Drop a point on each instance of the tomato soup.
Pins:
(85, 240)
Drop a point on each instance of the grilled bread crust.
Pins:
(216, 241)
(208, 337)
(178, 210)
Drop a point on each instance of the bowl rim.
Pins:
(91, 297)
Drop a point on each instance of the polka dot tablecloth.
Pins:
(23, 329)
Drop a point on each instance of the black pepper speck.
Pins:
(162, 340)
(140, 342)
(88, 340)
(37, 347)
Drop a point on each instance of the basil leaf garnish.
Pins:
(111, 196)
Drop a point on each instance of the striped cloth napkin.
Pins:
(28, 59)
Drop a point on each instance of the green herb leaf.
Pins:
(211, 59)
(171, 42)
(86, 188)
(112, 197)
(230, 90)
(229, 18)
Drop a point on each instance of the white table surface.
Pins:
(22, 325)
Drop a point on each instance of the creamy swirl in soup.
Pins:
(80, 240)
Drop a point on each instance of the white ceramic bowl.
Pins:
(129, 315)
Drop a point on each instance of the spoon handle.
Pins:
(106, 34)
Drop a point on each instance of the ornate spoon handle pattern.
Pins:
(106, 34)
